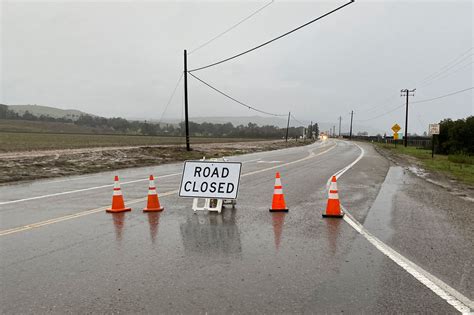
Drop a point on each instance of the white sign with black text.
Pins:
(210, 179)
(433, 129)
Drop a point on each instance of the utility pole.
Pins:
(186, 121)
(310, 130)
(288, 126)
(340, 118)
(350, 132)
(406, 92)
(334, 131)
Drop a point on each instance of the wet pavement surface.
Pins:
(245, 260)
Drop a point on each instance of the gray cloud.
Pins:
(124, 58)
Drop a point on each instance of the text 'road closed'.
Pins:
(210, 179)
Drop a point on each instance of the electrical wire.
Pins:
(272, 40)
(421, 101)
(433, 78)
(380, 103)
(381, 115)
(294, 118)
(447, 65)
(443, 96)
(171, 97)
(235, 100)
(230, 28)
(447, 75)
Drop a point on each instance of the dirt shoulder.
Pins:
(416, 167)
(30, 165)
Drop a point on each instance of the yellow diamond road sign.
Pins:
(396, 128)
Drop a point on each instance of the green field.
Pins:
(15, 141)
(459, 167)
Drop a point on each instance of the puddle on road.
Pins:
(379, 217)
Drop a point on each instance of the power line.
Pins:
(421, 101)
(294, 118)
(435, 75)
(383, 114)
(235, 100)
(433, 78)
(443, 96)
(170, 98)
(230, 28)
(448, 64)
(447, 75)
(382, 104)
(272, 40)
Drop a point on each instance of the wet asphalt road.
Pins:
(246, 259)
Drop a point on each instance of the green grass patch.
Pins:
(13, 141)
(460, 167)
(461, 158)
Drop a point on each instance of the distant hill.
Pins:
(39, 110)
(48, 127)
(280, 122)
(275, 121)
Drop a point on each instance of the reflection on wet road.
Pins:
(154, 222)
(211, 234)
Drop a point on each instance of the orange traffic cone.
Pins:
(278, 202)
(117, 199)
(153, 203)
(333, 208)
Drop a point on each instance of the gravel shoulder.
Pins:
(425, 216)
(415, 166)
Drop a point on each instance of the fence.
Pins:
(419, 142)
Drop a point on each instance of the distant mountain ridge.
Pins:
(54, 112)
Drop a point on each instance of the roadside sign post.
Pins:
(432, 146)
(215, 181)
(433, 130)
(395, 128)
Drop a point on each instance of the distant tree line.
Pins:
(456, 136)
(123, 126)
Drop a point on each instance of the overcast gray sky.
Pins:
(124, 58)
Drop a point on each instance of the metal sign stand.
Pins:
(212, 204)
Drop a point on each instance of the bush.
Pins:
(456, 137)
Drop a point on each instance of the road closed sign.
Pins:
(210, 179)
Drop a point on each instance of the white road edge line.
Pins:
(441, 289)
(87, 212)
(84, 189)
